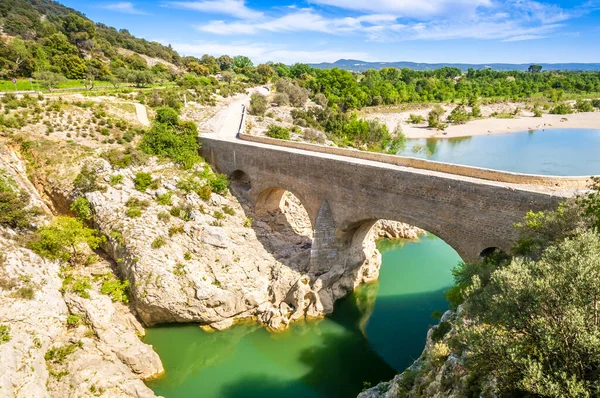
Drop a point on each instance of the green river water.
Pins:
(374, 333)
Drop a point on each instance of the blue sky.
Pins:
(470, 31)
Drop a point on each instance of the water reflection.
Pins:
(552, 152)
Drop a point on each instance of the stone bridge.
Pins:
(345, 196)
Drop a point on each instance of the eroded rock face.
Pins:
(107, 357)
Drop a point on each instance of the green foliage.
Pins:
(175, 229)
(218, 215)
(258, 105)
(87, 180)
(82, 208)
(440, 331)
(142, 181)
(116, 289)
(57, 355)
(133, 212)
(25, 292)
(278, 132)
(165, 199)
(434, 118)
(73, 320)
(4, 333)
(158, 242)
(591, 203)
(76, 284)
(13, 204)
(458, 115)
(116, 179)
(61, 240)
(172, 139)
(181, 212)
(584, 106)
(415, 119)
(561, 109)
(228, 210)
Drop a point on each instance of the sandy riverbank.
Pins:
(487, 125)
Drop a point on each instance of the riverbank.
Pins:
(487, 125)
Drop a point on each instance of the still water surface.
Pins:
(562, 152)
(374, 333)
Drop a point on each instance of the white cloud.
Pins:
(124, 7)
(263, 52)
(409, 8)
(234, 8)
(295, 21)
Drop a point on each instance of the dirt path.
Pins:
(142, 115)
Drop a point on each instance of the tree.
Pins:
(228, 76)
(225, 62)
(266, 72)
(50, 79)
(435, 116)
(258, 104)
(458, 115)
(63, 238)
(535, 68)
(241, 62)
(198, 69)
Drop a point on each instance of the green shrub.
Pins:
(175, 229)
(59, 354)
(61, 239)
(458, 115)
(258, 105)
(116, 179)
(181, 212)
(596, 103)
(26, 293)
(165, 199)
(73, 320)
(4, 333)
(584, 106)
(82, 208)
(562, 109)
(173, 139)
(219, 184)
(13, 204)
(158, 242)
(116, 289)
(86, 180)
(435, 116)
(228, 210)
(142, 181)
(218, 215)
(415, 119)
(278, 132)
(133, 212)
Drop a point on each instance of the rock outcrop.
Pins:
(57, 344)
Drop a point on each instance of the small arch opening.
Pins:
(240, 181)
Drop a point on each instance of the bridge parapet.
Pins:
(578, 182)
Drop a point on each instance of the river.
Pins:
(562, 152)
(373, 334)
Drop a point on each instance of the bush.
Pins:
(167, 115)
(258, 105)
(282, 99)
(116, 179)
(26, 293)
(278, 132)
(158, 242)
(172, 139)
(4, 334)
(13, 205)
(321, 99)
(165, 199)
(584, 106)
(181, 212)
(415, 119)
(596, 103)
(59, 354)
(142, 181)
(313, 135)
(61, 239)
(86, 180)
(435, 116)
(219, 184)
(116, 289)
(562, 109)
(440, 331)
(458, 115)
(82, 209)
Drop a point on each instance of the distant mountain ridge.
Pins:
(360, 66)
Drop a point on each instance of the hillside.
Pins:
(361, 66)
(44, 36)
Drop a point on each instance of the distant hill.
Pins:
(360, 66)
